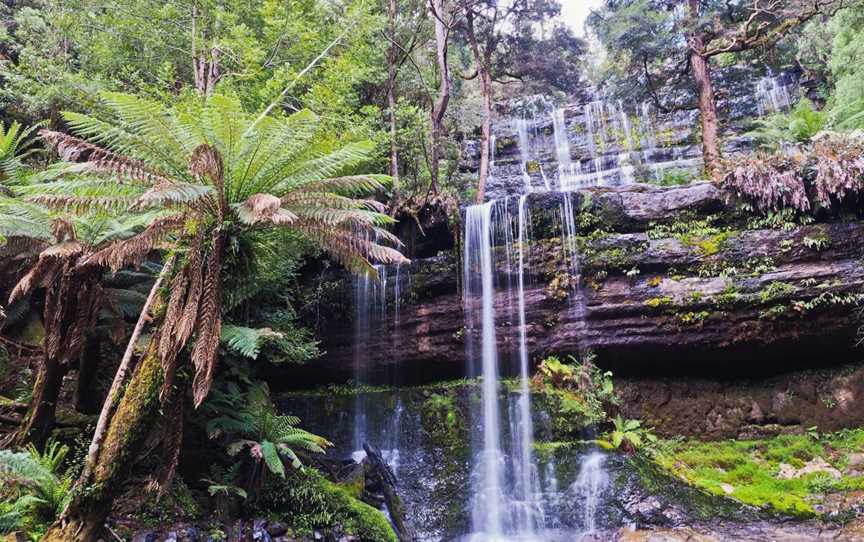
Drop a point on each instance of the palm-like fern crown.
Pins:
(213, 174)
(217, 167)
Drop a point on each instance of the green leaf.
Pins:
(272, 459)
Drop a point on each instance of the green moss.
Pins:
(658, 302)
(708, 245)
(776, 290)
(692, 318)
(747, 470)
(305, 501)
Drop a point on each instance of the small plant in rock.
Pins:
(628, 435)
(579, 392)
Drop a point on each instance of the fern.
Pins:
(33, 485)
(246, 341)
(269, 437)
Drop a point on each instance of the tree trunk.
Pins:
(38, 421)
(87, 366)
(439, 108)
(391, 94)
(486, 134)
(707, 105)
(129, 427)
(484, 70)
(707, 112)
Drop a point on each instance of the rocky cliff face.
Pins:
(675, 282)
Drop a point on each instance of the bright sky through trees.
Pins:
(576, 11)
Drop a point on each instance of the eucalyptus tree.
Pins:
(494, 32)
(219, 176)
(668, 45)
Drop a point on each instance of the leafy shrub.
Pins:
(797, 126)
(578, 392)
(628, 435)
(251, 423)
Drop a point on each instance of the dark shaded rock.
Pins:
(276, 529)
(712, 408)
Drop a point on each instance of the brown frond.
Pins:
(81, 204)
(168, 344)
(195, 274)
(134, 250)
(88, 300)
(63, 230)
(99, 160)
(35, 277)
(206, 351)
(63, 250)
(264, 208)
(206, 162)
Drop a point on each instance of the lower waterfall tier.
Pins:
(676, 282)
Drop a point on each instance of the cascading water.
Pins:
(589, 488)
(772, 94)
(371, 307)
(487, 512)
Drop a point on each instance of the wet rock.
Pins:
(276, 529)
(817, 464)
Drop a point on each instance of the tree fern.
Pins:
(218, 177)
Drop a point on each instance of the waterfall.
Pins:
(524, 150)
(527, 487)
(506, 500)
(772, 95)
(589, 487)
(487, 508)
(566, 174)
(362, 317)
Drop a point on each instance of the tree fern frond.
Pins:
(173, 193)
(98, 159)
(288, 176)
(354, 185)
(246, 341)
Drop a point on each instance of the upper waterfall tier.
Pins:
(540, 147)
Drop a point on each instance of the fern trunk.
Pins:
(137, 410)
(38, 421)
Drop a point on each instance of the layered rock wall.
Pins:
(673, 281)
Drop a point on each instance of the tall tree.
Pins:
(489, 26)
(221, 177)
(665, 42)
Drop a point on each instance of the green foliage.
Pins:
(578, 393)
(250, 423)
(15, 145)
(34, 487)
(246, 341)
(305, 501)
(799, 125)
(628, 435)
(847, 111)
